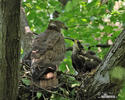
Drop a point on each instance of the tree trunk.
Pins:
(9, 48)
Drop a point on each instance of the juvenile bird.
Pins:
(83, 61)
(48, 50)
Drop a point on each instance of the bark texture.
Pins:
(9, 48)
(101, 82)
(27, 35)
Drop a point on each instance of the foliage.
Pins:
(26, 81)
(118, 73)
(122, 94)
(92, 22)
(39, 94)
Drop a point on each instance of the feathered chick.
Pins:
(48, 50)
(83, 61)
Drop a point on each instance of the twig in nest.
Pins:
(25, 65)
(35, 33)
(49, 91)
(60, 72)
(69, 49)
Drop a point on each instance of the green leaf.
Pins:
(26, 81)
(39, 94)
(21, 51)
(118, 73)
(111, 4)
(68, 6)
(123, 17)
(75, 2)
(108, 29)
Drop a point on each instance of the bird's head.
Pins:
(77, 46)
(56, 25)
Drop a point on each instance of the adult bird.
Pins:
(47, 52)
(83, 61)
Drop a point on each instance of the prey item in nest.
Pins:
(49, 83)
(45, 76)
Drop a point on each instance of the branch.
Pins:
(101, 81)
(27, 34)
(89, 47)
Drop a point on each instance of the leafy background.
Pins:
(91, 21)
